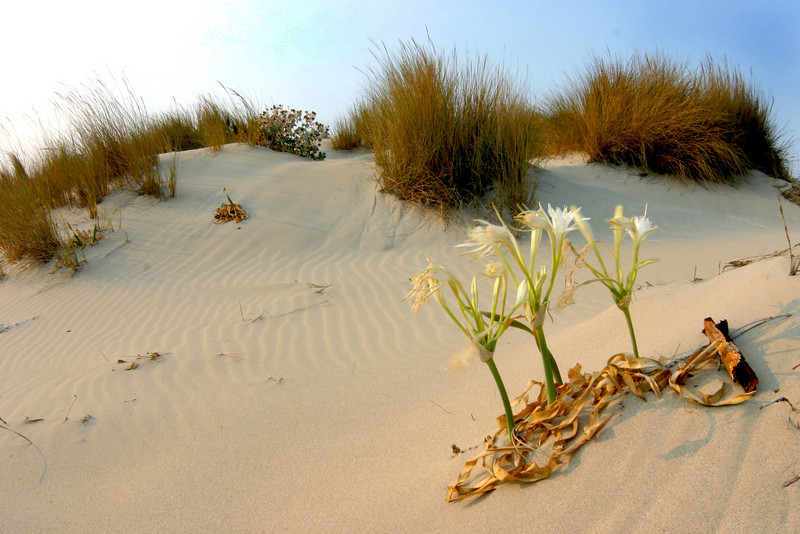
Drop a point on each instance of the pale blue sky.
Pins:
(307, 54)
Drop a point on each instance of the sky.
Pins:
(312, 55)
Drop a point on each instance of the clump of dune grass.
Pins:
(179, 129)
(213, 123)
(705, 124)
(108, 140)
(350, 131)
(444, 131)
(112, 132)
(114, 141)
(27, 230)
(219, 122)
(750, 112)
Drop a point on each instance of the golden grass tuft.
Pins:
(444, 132)
(706, 124)
(350, 130)
(27, 230)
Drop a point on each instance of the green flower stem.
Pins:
(554, 367)
(550, 367)
(504, 396)
(627, 313)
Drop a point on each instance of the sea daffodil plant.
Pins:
(618, 283)
(492, 240)
(482, 329)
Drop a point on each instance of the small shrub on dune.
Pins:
(445, 133)
(293, 131)
(651, 112)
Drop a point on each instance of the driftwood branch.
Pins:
(729, 354)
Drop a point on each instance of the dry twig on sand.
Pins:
(44, 460)
(734, 264)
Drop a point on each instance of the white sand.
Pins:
(331, 410)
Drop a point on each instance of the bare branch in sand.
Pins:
(74, 398)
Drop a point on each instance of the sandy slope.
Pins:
(276, 405)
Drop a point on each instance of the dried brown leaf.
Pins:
(558, 430)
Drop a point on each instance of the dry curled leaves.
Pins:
(232, 211)
(548, 435)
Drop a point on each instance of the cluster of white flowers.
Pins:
(533, 285)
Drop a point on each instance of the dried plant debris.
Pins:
(318, 288)
(729, 354)
(133, 361)
(232, 211)
(734, 264)
(547, 435)
(74, 400)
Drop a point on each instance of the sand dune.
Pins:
(294, 390)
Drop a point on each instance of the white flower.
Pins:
(641, 226)
(562, 220)
(487, 238)
(638, 226)
(533, 219)
(557, 221)
(423, 285)
(494, 269)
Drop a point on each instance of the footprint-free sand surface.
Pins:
(295, 391)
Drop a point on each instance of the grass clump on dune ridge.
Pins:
(651, 112)
(751, 116)
(110, 141)
(26, 229)
(350, 129)
(444, 132)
